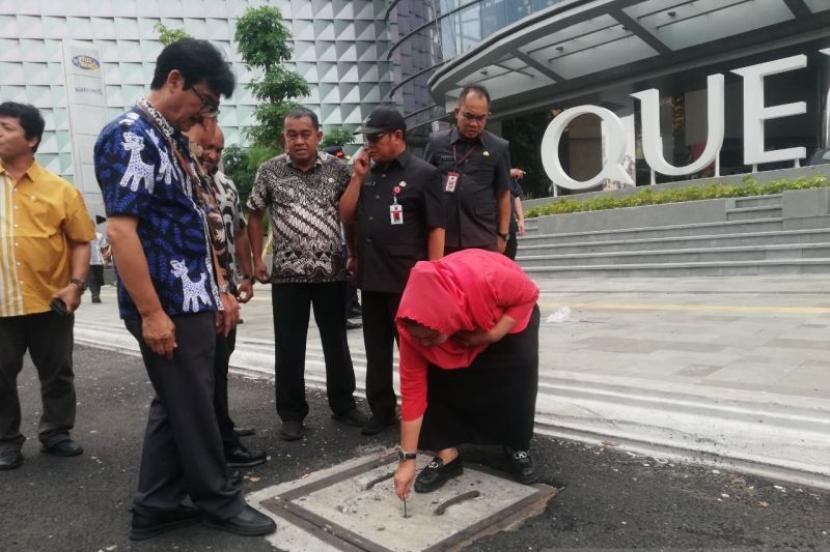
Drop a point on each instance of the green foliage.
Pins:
(714, 190)
(337, 137)
(262, 39)
(268, 133)
(168, 36)
(241, 165)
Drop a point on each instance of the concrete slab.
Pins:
(352, 507)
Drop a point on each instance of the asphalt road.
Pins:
(610, 500)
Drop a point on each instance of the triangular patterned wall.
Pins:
(338, 47)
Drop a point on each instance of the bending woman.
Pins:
(469, 349)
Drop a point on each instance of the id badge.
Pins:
(395, 214)
(451, 182)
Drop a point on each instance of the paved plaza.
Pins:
(732, 371)
(608, 499)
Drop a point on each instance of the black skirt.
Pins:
(492, 402)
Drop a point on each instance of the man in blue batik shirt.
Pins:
(172, 290)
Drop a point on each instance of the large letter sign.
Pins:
(652, 141)
(615, 154)
(755, 113)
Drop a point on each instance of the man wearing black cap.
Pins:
(397, 206)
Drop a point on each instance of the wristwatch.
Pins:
(403, 455)
(80, 283)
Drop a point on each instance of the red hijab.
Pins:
(460, 293)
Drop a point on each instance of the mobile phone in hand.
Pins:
(58, 307)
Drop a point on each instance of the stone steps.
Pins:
(690, 255)
(710, 268)
(770, 234)
(675, 242)
(677, 230)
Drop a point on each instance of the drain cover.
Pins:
(352, 507)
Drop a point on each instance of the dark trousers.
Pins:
(511, 247)
(291, 305)
(48, 338)
(182, 453)
(95, 279)
(221, 360)
(379, 336)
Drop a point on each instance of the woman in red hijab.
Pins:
(469, 349)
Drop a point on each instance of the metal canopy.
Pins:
(577, 44)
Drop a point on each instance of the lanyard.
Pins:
(463, 159)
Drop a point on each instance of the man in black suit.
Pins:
(475, 171)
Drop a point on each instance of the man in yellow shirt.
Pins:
(45, 232)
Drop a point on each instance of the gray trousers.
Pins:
(182, 454)
(48, 338)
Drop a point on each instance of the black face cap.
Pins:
(382, 119)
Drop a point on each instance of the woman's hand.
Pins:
(476, 338)
(404, 476)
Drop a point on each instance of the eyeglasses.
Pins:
(473, 117)
(375, 138)
(210, 107)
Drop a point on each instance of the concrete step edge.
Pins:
(692, 265)
(753, 209)
(665, 450)
(740, 235)
(789, 417)
(658, 252)
(617, 231)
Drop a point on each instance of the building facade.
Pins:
(542, 58)
(339, 48)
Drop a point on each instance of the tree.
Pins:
(241, 164)
(262, 39)
(168, 36)
(339, 136)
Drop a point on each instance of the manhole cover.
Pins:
(352, 507)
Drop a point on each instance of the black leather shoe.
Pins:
(248, 523)
(353, 417)
(10, 459)
(241, 457)
(147, 526)
(437, 473)
(291, 430)
(244, 431)
(521, 465)
(64, 448)
(352, 325)
(376, 424)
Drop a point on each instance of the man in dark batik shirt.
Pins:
(207, 143)
(172, 290)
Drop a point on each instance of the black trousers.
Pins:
(182, 453)
(291, 308)
(221, 360)
(511, 247)
(95, 279)
(490, 402)
(48, 338)
(379, 337)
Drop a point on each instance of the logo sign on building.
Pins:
(618, 138)
(87, 106)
